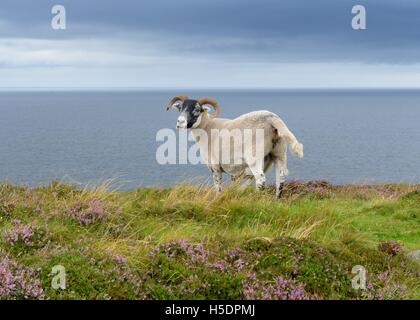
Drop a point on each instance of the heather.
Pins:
(23, 236)
(18, 281)
(186, 242)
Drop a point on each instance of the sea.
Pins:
(90, 136)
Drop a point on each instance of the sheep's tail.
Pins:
(285, 133)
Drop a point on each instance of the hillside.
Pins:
(184, 242)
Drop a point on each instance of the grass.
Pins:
(186, 242)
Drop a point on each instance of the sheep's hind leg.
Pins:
(280, 177)
(217, 180)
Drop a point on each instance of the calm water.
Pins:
(349, 136)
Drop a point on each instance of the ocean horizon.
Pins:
(85, 136)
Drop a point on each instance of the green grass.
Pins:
(312, 237)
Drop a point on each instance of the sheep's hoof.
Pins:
(279, 191)
(260, 187)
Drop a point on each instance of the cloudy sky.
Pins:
(210, 43)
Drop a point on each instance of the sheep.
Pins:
(271, 144)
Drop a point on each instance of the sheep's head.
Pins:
(191, 111)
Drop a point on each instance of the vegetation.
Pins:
(186, 242)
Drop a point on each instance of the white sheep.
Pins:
(267, 143)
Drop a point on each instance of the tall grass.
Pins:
(86, 228)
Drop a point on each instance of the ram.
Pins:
(265, 144)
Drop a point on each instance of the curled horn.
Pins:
(175, 99)
(212, 102)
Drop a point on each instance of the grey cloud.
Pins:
(247, 30)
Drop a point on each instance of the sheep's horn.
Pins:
(212, 102)
(175, 99)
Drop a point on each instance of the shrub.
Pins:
(315, 188)
(390, 247)
(278, 289)
(23, 235)
(17, 281)
(95, 211)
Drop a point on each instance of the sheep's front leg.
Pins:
(259, 177)
(217, 180)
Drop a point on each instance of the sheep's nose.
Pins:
(181, 123)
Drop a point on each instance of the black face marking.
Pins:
(191, 110)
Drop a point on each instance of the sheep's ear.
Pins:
(206, 109)
(177, 105)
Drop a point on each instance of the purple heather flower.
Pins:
(220, 265)
(28, 235)
(281, 289)
(190, 253)
(95, 211)
(18, 282)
